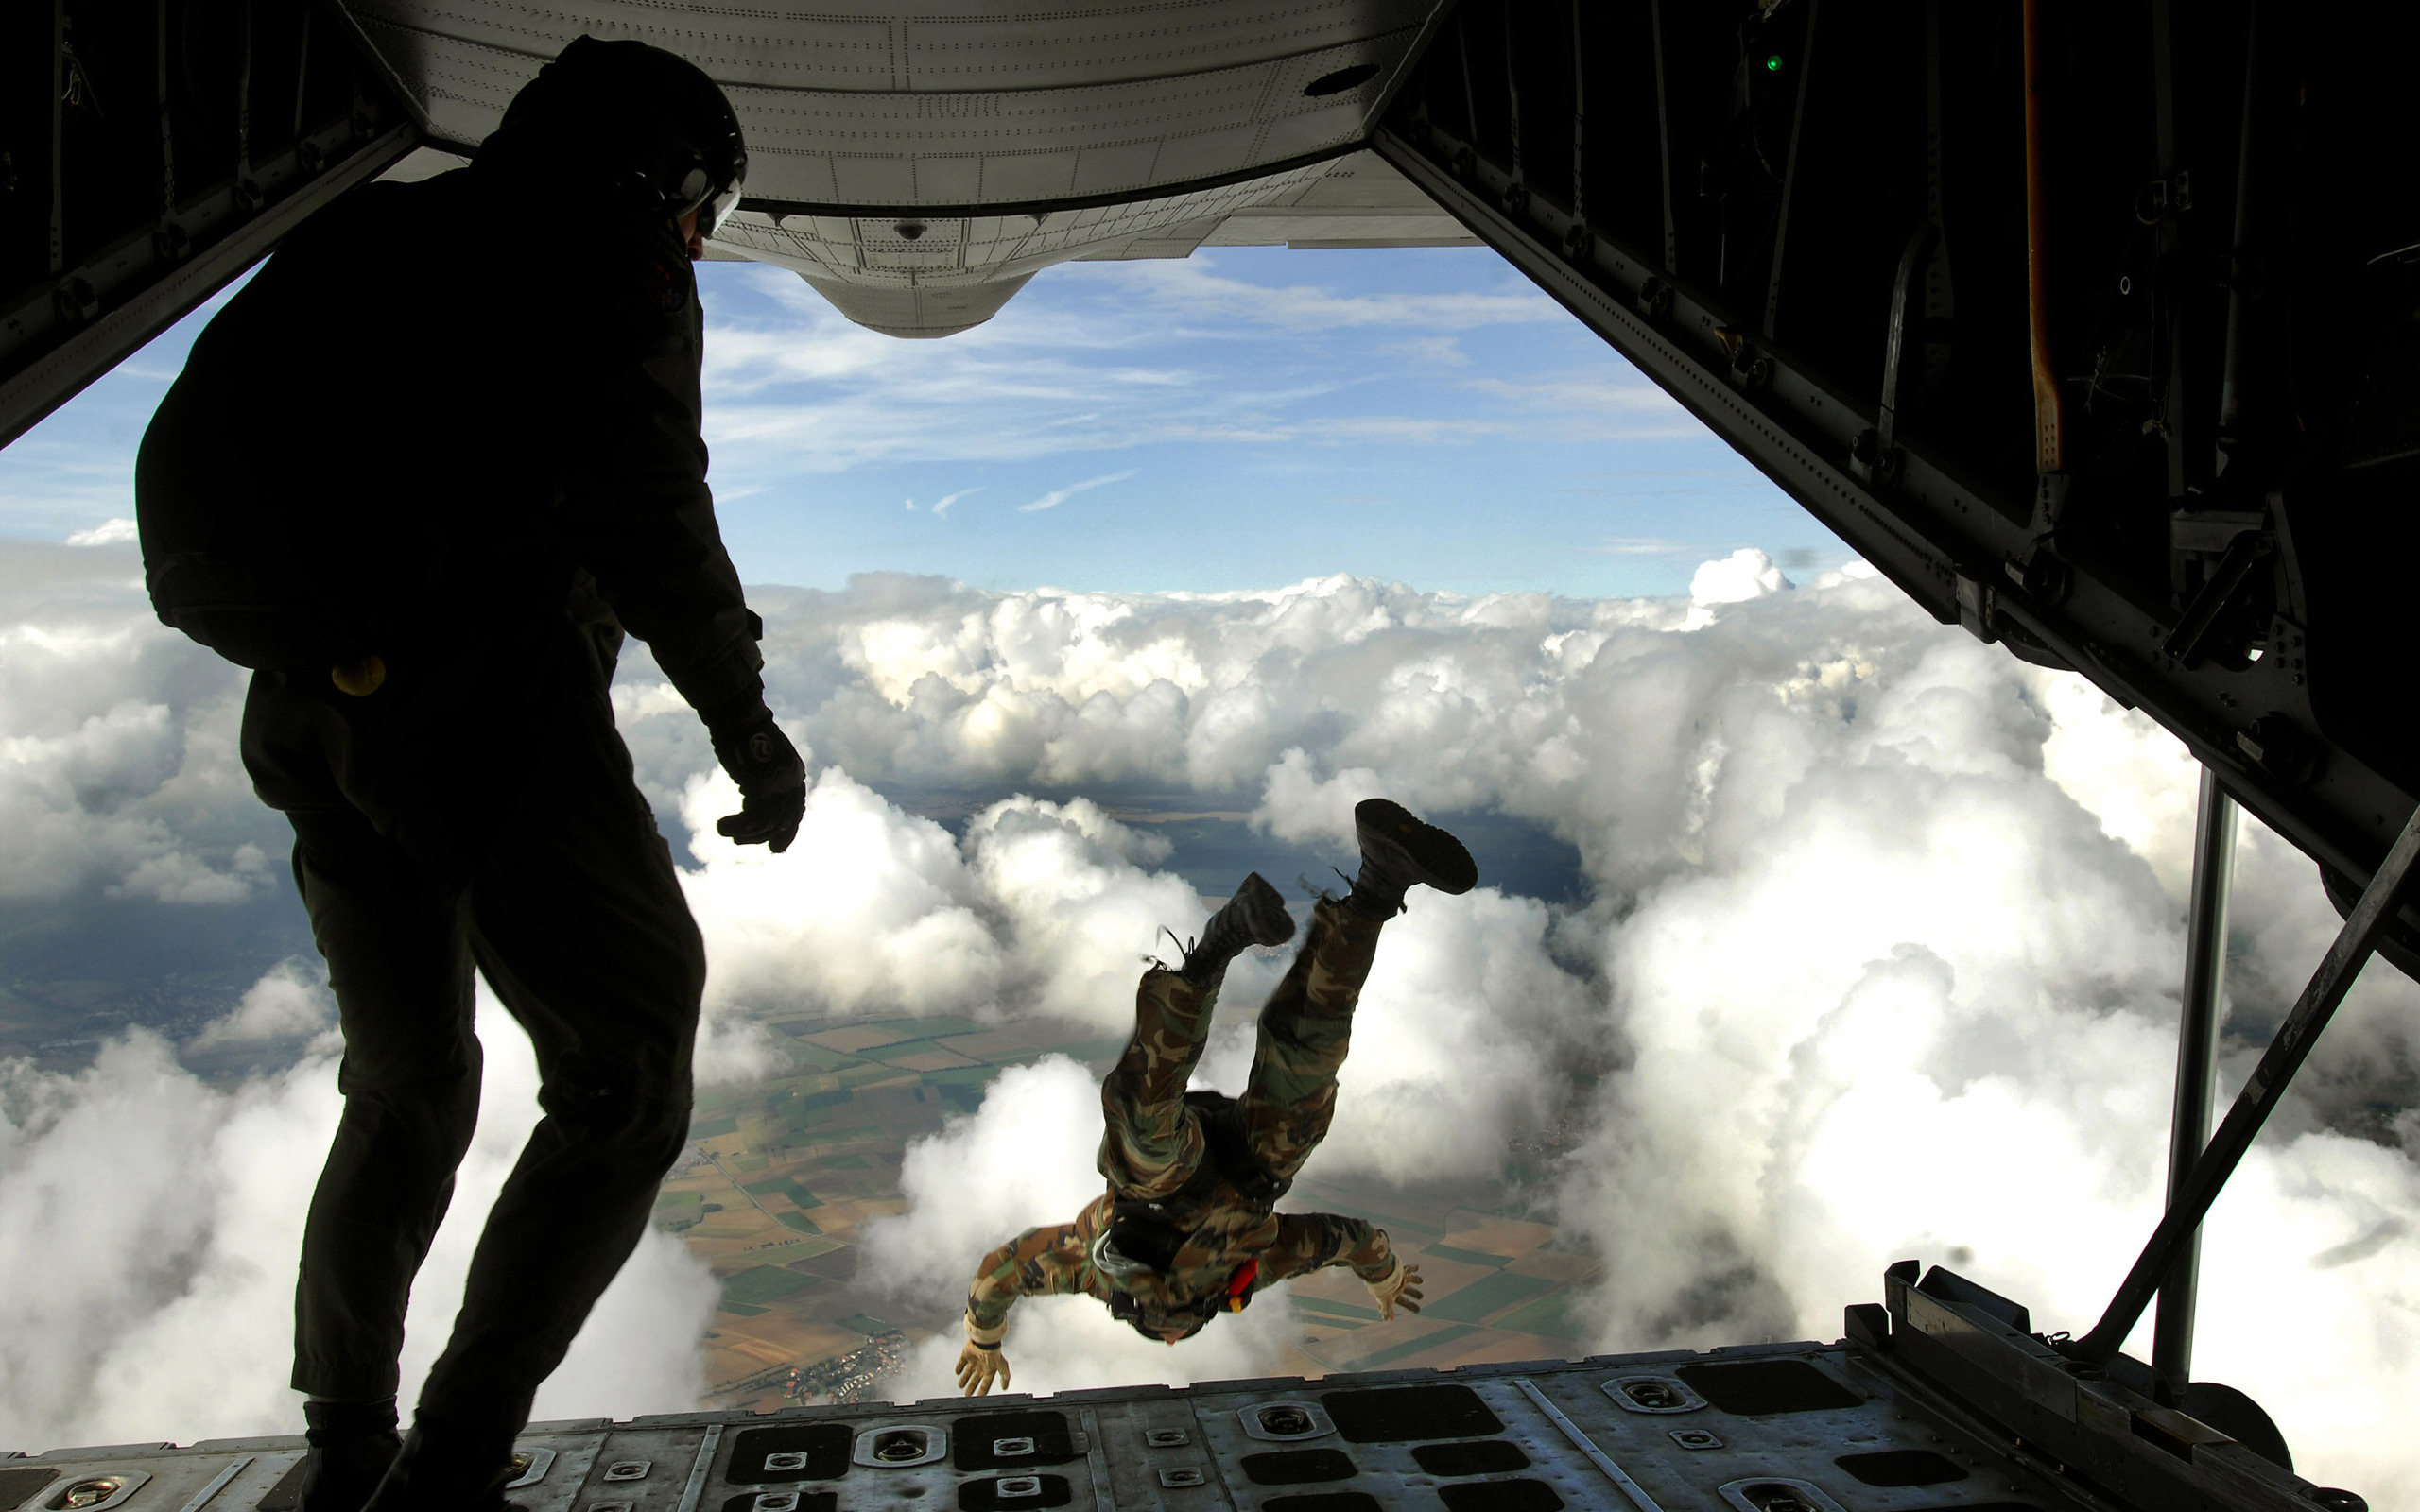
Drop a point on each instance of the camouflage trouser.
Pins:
(1152, 1143)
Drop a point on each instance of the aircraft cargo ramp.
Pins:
(1936, 1400)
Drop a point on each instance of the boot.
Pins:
(1398, 850)
(352, 1444)
(1254, 915)
(447, 1467)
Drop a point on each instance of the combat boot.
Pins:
(447, 1467)
(1254, 915)
(352, 1444)
(1399, 852)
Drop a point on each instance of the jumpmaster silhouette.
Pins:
(1188, 1227)
(422, 489)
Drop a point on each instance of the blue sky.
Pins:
(1245, 417)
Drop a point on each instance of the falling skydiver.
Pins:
(1189, 1228)
(421, 489)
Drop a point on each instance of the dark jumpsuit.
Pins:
(486, 461)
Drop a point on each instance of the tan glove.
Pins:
(981, 1363)
(1398, 1287)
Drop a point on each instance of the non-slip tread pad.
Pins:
(1902, 1466)
(1396, 1414)
(984, 1495)
(1757, 1388)
(1325, 1502)
(825, 1445)
(807, 1502)
(1500, 1496)
(1298, 1467)
(1494, 1456)
(971, 1439)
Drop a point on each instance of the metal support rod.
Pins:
(2197, 1060)
(167, 125)
(1941, 302)
(2049, 438)
(302, 72)
(1512, 96)
(2240, 256)
(1579, 112)
(1663, 136)
(2169, 329)
(1790, 169)
(1895, 346)
(1470, 95)
(57, 136)
(244, 106)
(2260, 1096)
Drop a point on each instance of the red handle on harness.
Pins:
(1239, 1284)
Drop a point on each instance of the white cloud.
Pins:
(1463, 1027)
(118, 763)
(291, 1002)
(1745, 574)
(1152, 354)
(1194, 288)
(1059, 496)
(149, 1225)
(1882, 956)
(108, 533)
(1907, 907)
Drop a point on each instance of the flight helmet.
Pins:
(643, 124)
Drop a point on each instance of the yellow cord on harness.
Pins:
(360, 677)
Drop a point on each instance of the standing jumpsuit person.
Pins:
(420, 474)
(1188, 1227)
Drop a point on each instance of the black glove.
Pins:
(771, 777)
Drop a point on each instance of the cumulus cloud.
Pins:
(1744, 575)
(1884, 946)
(149, 1224)
(118, 763)
(1879, 956)
(1042, 907)
(108, 533)
(291, 1002)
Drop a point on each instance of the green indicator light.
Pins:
(1773, 64)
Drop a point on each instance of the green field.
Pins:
(1485, 1296)
(759, 1284)
(1405, 1351)
(1467, 1257)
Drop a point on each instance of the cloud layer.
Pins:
(1880, 959)
(148, 1229)
(118, 765)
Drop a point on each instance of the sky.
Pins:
(1873, 953)
(1245, 417)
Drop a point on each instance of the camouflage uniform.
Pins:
(1153, 1144)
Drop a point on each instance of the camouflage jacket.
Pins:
(1059, 1258)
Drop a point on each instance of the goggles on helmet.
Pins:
(713, 204)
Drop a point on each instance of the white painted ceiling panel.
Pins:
(879, 134)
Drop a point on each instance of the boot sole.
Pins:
(1264, 911)
(1429, 856)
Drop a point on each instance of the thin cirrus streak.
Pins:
(1059, 496)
